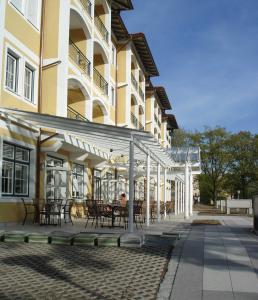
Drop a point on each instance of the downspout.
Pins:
(40, 102)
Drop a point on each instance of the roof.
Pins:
(122, 5)
(163, 97)
(171, 120)
(101, 136)
(118, 26)
(142, 47)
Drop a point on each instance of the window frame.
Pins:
(15, 161)
(16, 59)
(74, 173)
(32, 83)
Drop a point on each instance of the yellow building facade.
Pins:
(72, 59)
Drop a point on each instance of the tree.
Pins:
(215, 158)
(243, 169)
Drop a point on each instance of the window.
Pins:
(97, 185)
(54, 162)
(29, 84)
(32, 11)
(78, 173)
(11, 72)
(18, 4)
(113, 96)
(29, 8)
(15, 170)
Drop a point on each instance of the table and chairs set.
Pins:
(95, 212)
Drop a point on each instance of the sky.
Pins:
(206, 52)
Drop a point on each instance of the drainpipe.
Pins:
(40, 100)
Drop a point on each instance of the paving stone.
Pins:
(217, 295)
(131, 240)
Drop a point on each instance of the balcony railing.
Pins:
(101, 27)
(100, 81)
(87, 5)
(73, 114)
(141, 93)
(134, 81)
(79, 58)
(134, 120)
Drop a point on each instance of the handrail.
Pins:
(73, 114)
(87, 5)
(141, 93)
(79, 58)
(134, 120)
(100, 81)
(101, 27)
(134, 82)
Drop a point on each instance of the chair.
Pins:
(52, 211)
(90, 211)
(67, 210)
(138, 212)
(29, 209)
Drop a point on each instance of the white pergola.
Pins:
(108, 141)
(187, 162)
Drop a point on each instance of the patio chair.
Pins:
(29, 209)
(90, 212)
(67, 211)
(138, 212)
(51, 212)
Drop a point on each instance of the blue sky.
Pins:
(207, 55)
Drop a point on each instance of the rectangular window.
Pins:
(15, 170)
(78, 175)
(11, 72)
(17, 4)
(29, 84)
(32, 11)
(54, 162)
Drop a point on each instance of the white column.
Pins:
(148, 191)
(131, 186)
(176, 198)
(158, 193)
(186, 191)
(191, 193)
(181, 197)
(165, 192)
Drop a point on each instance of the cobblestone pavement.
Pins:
(43, 271)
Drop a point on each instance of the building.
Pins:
(69, 71)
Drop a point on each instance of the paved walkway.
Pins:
(217, 262)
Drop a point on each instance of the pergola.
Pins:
(187, 161)
(107, 140)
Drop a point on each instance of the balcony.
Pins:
(101, 27)
(100, 81)
(87, 6)
(141, 93)
(134, 120)
(73, 114)
(79, 58)
(134, 82)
